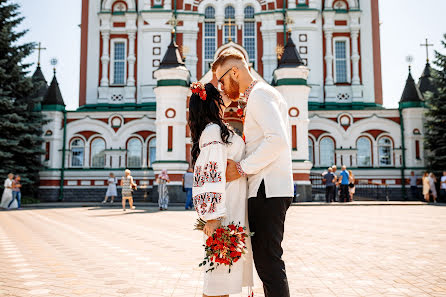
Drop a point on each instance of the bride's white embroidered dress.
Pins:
(214, 198)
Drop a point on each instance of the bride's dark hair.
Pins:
(203, 112)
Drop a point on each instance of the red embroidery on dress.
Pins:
(208, 175)
(202, 200)
(212, 142)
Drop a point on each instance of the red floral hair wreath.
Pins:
(198, 88)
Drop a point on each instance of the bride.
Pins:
(217, 202)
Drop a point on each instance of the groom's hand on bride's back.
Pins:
(231, 171)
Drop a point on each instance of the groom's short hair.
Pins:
(226, 56)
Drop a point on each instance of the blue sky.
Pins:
(405, 25)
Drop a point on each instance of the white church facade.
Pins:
(322, 55)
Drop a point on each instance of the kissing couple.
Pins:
(243, 180)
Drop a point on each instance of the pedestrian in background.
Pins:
(344, 181)
(336, 188)
(188, 182)
(351, 185)
(443, 188)
(163, 198)
(413, 186)
(16, 193)
(329, 179)
(7, 200)
(111, 189)
(432, 181)
(426, 186)
(127, 185)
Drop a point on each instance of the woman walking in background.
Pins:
(351, 185)
(426, 186)
(432, 181)
(7, 200)
(163, 198)
(127, 185)
(111, 190)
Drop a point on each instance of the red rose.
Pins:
(240, 229)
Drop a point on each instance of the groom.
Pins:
(267, 165)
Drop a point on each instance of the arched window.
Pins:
(385, 151)
(310, 150)
(97, 152)
(249, 33)
(364, 153)
(230, 28)
(77, 152)
(134, 153)
(152, 151)
(209, 37)
(326, 151)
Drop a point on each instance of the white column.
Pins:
(355, 58)
(329, 57)
(105, 58)
(190, 41)
(131, 60)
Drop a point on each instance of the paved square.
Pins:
(329, 251)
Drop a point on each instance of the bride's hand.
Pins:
(211, 226)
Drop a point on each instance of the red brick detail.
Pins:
(219, 37)
(49, 183)
(200, 51)
(259, 50)
(333, 119)
(301, 176)
(169, 138)
(376, 52)
(417, 149)
(179, 4)
(179, 41)
(317, 133)
(188, 154)
(280, 38)
(279, 22)
(279, 3)
(195, 8)
(84, 52)
(102, 120)
(341, 23)
(116, 129)
(240, 37)
(175, 177)
(271, 5)
(87, 134)
(126, 120)
(47, 150)
(314, 21)
(358, 119)
(145, 23)
(119, 24)
(294, 136)
(187, 7)
(71, 120)
(395, 119)
(264, 7)
(375, 132)
(144, 134)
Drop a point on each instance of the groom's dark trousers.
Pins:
(266, 219)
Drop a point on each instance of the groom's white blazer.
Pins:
(268, 147)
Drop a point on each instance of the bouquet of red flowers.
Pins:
(226, 246)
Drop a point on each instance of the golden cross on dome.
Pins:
(427, 45)
(230, 25)
(39, 48)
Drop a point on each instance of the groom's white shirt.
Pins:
(268, 148)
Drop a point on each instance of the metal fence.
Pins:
(363, 191)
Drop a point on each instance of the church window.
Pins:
(310, 150)
(47, 150)
(77, 152)
(364, 153)
(134, 153)
(326, 149)
(97, 152)
(229, 27)
(118, 63)
(385, 151)
(249, 33)
(209, 37)
(341, 65)
(152, 151)
(417, 150)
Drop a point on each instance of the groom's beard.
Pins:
(233, 91)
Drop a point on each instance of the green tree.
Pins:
(435, 138)
(20, 118)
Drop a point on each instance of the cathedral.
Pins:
(138, 58)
